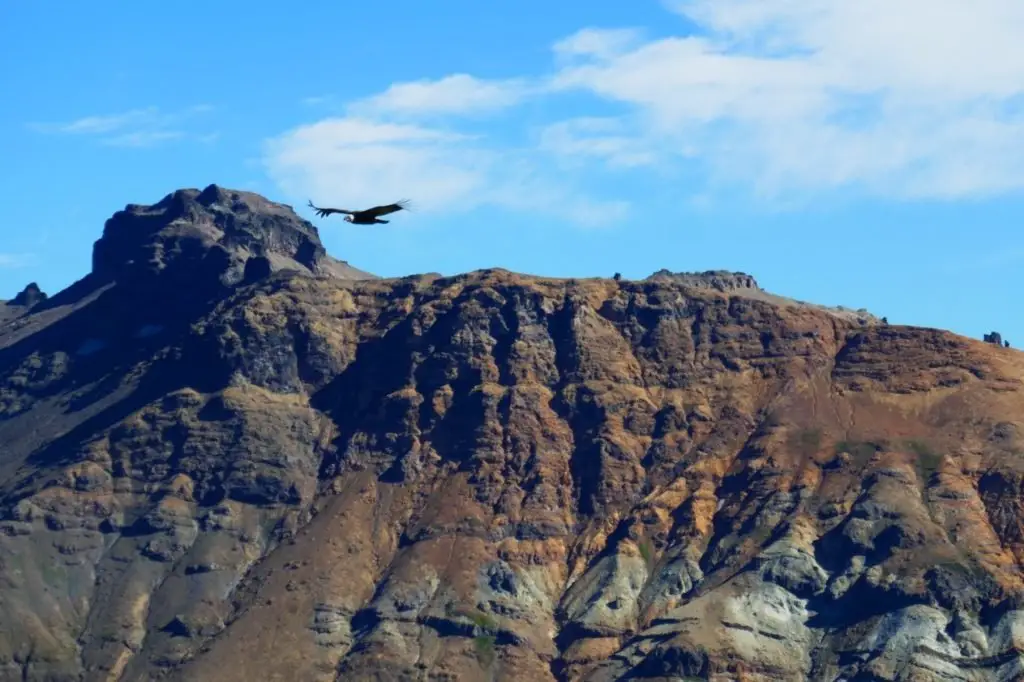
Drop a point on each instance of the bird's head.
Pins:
(348, 219)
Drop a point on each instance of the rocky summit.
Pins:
(189, 234)
(226, 456)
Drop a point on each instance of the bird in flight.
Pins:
(366, 217)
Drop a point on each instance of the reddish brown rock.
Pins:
(501, 477)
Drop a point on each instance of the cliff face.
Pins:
(500, 477)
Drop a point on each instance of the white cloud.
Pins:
(351, 162)
(597, 42)
(145, 127)
(793, 96)
(356, 162)
(949, 48)
(787, 98)
(455, 94)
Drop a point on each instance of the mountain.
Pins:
(225, 455)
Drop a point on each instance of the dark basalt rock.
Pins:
(29, 296)
(257, 268)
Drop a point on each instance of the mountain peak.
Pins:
(722, 280)
(490, 475)
(210, 234)
(29, 296)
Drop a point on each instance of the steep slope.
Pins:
(498, 477)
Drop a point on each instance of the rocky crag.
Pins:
(226, 456)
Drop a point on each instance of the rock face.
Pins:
(193, 234)
(499, 477)
(29, 296)
(721, 280)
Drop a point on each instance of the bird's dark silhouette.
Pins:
(368, 216)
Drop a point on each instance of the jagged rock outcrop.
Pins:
(192, 234)
(721, 280)
(29, 296)
(500, 477)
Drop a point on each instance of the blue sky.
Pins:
(846, 153)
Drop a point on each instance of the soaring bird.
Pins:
(365, 217)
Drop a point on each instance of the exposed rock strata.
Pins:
(498, 477)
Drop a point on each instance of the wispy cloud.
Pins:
(355, 161)
(369, 159)
(16, 260)
(584, 139)
(784, 99)
(144, 127)
(455, 94)
(149, 138)
(597, 43)
(792, 97)
(102, 124)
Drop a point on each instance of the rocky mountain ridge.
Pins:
(720, 280)
(190, 230)
(300, 475)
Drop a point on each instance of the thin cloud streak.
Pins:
(16, 260)
(137, 128)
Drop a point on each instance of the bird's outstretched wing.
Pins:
(378, 211)
(324, 212)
